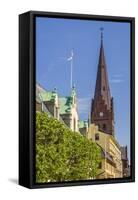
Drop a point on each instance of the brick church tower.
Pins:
(102, 111)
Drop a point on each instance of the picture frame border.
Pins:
(27, 87)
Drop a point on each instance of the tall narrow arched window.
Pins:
(56, 112)
(104, 127)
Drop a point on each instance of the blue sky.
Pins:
(54, 40)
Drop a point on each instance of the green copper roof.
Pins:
(65, 105)
(83, 124)
(48, 96)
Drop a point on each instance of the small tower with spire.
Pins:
(102, 113)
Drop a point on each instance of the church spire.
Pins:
(102, 83)
(102, 113)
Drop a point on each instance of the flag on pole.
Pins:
(71, 57)
(71, 66)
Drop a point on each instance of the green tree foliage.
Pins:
(63, 155)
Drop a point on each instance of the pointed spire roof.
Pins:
(102, 83)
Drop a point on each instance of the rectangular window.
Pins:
(97, 136)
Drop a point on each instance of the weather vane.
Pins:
(101, 32)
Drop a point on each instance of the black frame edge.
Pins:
(24, 96)
(81, 16)
(133, 99)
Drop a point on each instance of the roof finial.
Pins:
(101, 33)
(55, 89)
(73, 86)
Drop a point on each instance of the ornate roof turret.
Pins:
(54, 93)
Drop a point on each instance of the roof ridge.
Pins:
(40, 86)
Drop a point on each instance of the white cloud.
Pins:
(116, 80)
(118, 75)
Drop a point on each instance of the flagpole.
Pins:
(71, 67)
(71, 72)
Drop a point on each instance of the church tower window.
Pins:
(104, 127)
